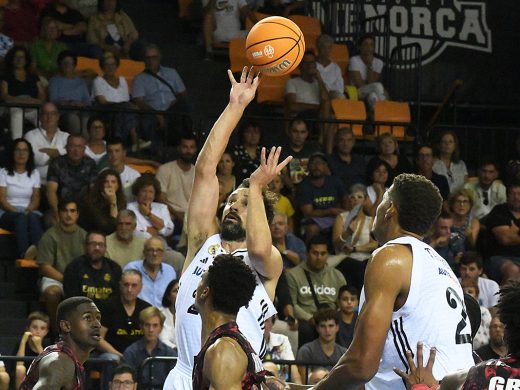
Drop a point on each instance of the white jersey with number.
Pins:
(250, 319)
(434, 313)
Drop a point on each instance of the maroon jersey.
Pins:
(33, 374)
(255, 373)
(494, 374)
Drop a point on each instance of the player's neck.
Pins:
(400, 232)
(81, 353)
(231, 246)
(213, 319)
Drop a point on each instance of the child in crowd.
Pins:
(470, 287)
(348, 301)
(32, 342)
(284, 205)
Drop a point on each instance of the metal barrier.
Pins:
(148, 364)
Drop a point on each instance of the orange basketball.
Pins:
(275, 45)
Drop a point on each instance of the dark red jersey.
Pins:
(494, 374)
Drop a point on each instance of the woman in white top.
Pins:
(378, 172)
(96, 146)
(448, 162)
(111, 91)
(167, 335)
(330, 71)
(152, 218)
(20, 196)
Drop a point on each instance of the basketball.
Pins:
(275, 45)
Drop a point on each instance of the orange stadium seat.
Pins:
(129, 69)
(272, 90)
(390, 111)
(183, 8)
(311, 28)
(237, 55)
(340, 56)
(143, 168)
(259, 16)
(88, 67)
(353, 110)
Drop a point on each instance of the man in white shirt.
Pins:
(365, 72)
(330, 71)
(471, 267)
(47, 141)
(487, 192)
(116, 159)
(176, 179)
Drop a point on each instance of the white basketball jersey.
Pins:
(434, 313)
(188, 324)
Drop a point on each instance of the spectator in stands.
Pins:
(47, 141)
(117, 161)
(32, 342)
(176, 179)
(151, 320)
(225, 176)
(222, 22)
(387, 150)
(291, 247)
(124, 245)
(58, 246)
(283, 204)
(513, 163)
(378, 172)
(447, 160)
(20, 197)
(246, 154)
(167, 335)
(317, 374)
(307, 97)
(6, 42)
(465, 225)
(348, 301)
(352, 239)
(120, 317)
(472, 268)
(365, 72)
(87, 8)
(449, 246)
(324, 350)
(300, 148)
(156, 274)
(111, 91)
(124, 376)
(112, 29)
(160, 88)
(70, 91)
(103, 203)
(326, 282)
(4, 377)
(504, 224)
(496, 348)
(92, 275)
(278, 347)
(96, 147)
(20, 21)
(330, 71)
(424, 167)
(321, 197)
(70, 176)
(488, 191)
(153, 218)
(345, 165)
(481, 338)
(46, 49)
(72, 27)
(21, 87)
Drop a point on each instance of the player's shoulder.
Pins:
(392, 251)
(225, 349)
(56, 362)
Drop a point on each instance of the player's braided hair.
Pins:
(509, 312)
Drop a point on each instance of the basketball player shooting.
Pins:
(243, 232)
(410, 295)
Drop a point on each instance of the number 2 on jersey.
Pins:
(453, 301)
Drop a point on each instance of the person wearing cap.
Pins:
(321, 197)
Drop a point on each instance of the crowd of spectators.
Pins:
(99, 228)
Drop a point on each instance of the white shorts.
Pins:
(176, 380)
(46, 282)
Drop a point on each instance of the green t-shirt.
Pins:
(58, 248)
(46, 62)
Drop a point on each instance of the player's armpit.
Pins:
(56, 372)
(225, 365)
